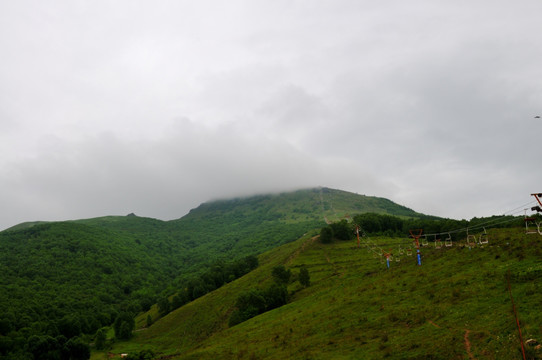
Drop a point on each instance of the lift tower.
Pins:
(417, 234)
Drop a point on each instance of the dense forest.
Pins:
(63, 280)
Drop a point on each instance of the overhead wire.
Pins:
(378, 248)
(497, 221)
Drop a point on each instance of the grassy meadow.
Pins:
(456, 305)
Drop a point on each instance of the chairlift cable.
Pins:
(483, 238)
(512, 212)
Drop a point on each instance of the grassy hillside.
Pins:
(70, 278)
(259, 223)
(456, 305)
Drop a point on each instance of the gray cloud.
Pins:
(109, 108)
(162, 178)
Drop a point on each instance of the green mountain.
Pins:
(462, 303)
(71, 278)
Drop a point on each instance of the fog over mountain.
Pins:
(153, 108)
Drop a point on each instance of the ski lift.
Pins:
(438, 243)
(409, 252)
(534, 220)
(401, 251)
(397, 259)
(483, 237)
(531, 221)
(425, 242)
(471, 239)
(448, 241)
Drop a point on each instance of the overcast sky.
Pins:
(153, 107)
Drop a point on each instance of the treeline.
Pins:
(257, 301)
(62, 282)
(387, 225)
(218, 274)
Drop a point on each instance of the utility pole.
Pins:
(417, 234)
(357, 233)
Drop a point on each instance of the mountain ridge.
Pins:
(370, 202)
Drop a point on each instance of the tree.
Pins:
(6, 344)
(275, 296)
(249, 304)
(70, 326)
(341, 230)
(125, 331)
(176, 302)
(252, 299)
(252, 262)
(281, 275)
(5, 326)
(77, 349)
(304, 277)
(124, 325)
(326, 235)
(164, 306)
(142, 355)
(43, 347)
(100, 338)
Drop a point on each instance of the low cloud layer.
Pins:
(111, 108)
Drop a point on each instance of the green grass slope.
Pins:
(73, 277)
(259, 223)
(456, 305)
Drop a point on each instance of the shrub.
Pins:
(326, 235)
(281, 275)
(304, 277)
(275, 296)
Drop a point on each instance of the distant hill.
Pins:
(457, 305)
(259, 223)
(73, 277)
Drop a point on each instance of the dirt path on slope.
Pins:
(465, 337)
(334, 266)
(432, 323)
(302, 248)
(467, 344)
